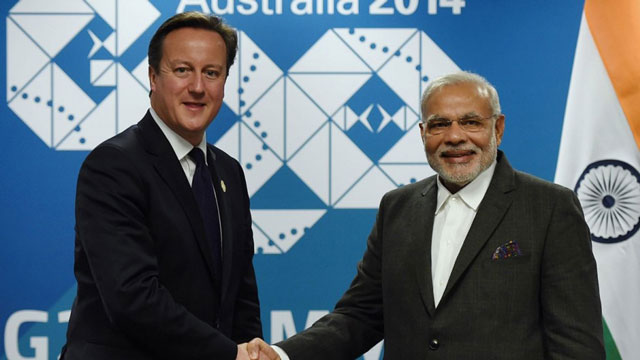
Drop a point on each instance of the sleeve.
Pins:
(570, 300)
(111, 225)
(356, 324)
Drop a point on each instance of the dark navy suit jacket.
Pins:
(143, 264)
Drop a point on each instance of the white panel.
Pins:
(261, 243)
(48, 6)
(133, 99)
(266, 118)
(348, 163)
(24, 59)
(257, 72)
(106, 9)
(402, 73)
(97, 127)
(330, 91)
(70, 104)
(311, 164)
(141, 72)
(375, 46)
(230, 141)
(97, 69)
(286, 227)
(303, 118)
(36, 114)
(367, 192)
(110, 43)
(330, 55)
(404, 174)
(435, 62)
(134, 17)
(258, 163)
(231, 87)
(39, 27)
(409, 149)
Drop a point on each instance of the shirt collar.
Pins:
(472, 194)
(180, 146)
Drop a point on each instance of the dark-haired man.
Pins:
(164, 247)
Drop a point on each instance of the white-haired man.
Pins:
(478, 262)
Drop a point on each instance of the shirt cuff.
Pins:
(283, 355)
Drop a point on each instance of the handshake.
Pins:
(256, 349)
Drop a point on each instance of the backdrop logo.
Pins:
(336, 130)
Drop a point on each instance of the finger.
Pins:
(254, 347)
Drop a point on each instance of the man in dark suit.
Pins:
(478, 262)
(164, 247)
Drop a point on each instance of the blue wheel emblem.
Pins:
(609, 191)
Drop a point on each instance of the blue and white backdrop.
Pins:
(321, 110)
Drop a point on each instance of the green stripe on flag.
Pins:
(610, 344)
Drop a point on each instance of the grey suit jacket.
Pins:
(543, 304)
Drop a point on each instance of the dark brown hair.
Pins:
(192, 19)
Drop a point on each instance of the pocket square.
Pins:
(508, 250)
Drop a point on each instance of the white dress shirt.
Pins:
(181, 147)
(453, 218)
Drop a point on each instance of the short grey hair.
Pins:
(484, 88)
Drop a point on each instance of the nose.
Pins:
(455, 135)
(196, 85)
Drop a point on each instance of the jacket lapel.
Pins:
(424, 214)
(491, 211)
(218, 175)
(169, 169)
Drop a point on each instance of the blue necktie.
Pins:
(202, 187)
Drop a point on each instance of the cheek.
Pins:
(216, 90)
(482, 141)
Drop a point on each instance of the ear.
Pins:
(152, 78)
(423, 129)
(499, 128)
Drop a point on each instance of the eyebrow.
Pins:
(467, 115)
(182, 61)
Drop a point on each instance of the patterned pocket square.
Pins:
(508, 250)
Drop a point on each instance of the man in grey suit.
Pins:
(479, 262)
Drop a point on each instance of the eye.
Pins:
(439, 124)
(181, 70)
(212, 74)
(470, 122)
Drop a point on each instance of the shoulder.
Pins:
(122, 150)
(221, 155)
(224, 161)
(407, 192)
(538, 186)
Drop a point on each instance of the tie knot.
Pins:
(197, 156)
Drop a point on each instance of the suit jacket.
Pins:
(143, 264)
(543, 304)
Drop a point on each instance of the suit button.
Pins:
(434, 344)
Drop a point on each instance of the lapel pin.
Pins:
(223, 186)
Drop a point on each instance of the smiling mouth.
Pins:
(194, 105)
(457, 154)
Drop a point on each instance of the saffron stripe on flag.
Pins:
(615, 27)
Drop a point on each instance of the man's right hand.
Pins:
(260, 350)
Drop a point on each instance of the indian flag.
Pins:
(600, 160)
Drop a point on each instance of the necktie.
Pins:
(202, 187)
